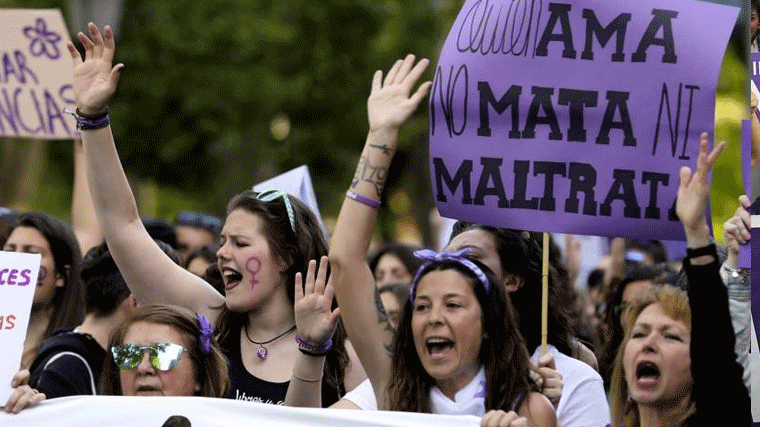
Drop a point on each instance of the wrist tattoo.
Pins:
(367, 172)
(384, 148)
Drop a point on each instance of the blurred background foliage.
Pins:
(219, 95)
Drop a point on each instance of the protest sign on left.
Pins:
(18, 280)
(36, 75)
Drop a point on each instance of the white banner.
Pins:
(18, 280)
(99, 411)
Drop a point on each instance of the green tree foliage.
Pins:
(204, 80)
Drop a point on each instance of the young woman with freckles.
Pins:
(266, 239)
(457, 348)
(676, 365)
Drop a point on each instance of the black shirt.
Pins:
(68, 364)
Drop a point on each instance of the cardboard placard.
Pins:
(36, 75)
(18, 281)
(574, 117)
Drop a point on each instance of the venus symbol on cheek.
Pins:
(253, 265)
(41, 276)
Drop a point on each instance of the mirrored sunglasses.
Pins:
(164, 356)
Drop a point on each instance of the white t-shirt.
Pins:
(363, 396)
(583, 402)
(470, 400)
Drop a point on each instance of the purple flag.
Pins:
(755, 276)
(745, 255)
(574, 117)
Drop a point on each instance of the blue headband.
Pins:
(432, 258)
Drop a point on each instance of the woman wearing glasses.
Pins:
(160, 351)
(266, 239)
(164, 351)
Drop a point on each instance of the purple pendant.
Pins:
(262, 353)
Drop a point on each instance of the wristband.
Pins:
(703, 251)
(311, 349)
(363, 200)
(90, 121)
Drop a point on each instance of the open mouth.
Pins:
(231, 277)
(438, 346)
(647, 373)
(148, 390)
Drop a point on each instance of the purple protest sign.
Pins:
(574, 117)
(755, 271)
(755, 68)
(745, 255)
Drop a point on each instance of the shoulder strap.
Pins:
(78, 356)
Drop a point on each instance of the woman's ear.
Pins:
(513, 282)
(60, 278)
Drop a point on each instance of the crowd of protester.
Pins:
(242, 307)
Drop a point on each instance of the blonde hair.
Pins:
(675, 304)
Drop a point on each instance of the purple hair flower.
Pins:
(206, 334)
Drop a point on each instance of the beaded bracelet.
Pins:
(90, 121)
(361, 199)
(312, 349)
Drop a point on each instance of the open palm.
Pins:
(95, 79)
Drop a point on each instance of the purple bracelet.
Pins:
(313, 349)
(361, 199)
(90, 122)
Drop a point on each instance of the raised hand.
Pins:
(95, 80)
(694, 189)
(315, 319)
(737, 231)
(389, 104)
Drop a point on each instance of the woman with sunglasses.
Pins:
(458, 350)
(266, 239)
(164, 351)
(160, 351)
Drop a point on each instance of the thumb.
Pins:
(547, 361)
(21, 378)
(116, 71)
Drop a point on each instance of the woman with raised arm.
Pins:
(267, 238)
(458, 350)
(676, 365)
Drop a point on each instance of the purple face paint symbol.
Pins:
(42, 40)
(253, 265)
(41, 276)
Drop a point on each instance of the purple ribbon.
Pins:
(206, 333)
(432, 257)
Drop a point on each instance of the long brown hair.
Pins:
(503, 352)
(296, 249)
(210, 369)
(69, 299)
(675, 304)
